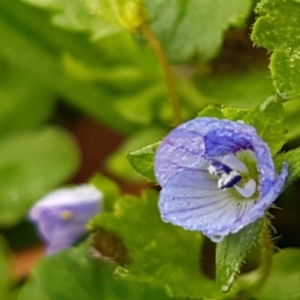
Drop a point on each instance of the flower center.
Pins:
(227, 177)
(231, 172)
(66, 215)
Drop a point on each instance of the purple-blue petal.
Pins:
(191, 200)
(192, 144)
(190, 196)
(80, 203)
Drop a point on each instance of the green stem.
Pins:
(161, 56)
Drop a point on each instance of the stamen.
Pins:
(234, 163)
(66, 215)
(229, 180)
(248, 190)
(218, 168)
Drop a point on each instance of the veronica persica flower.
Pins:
(61, 215)
(217, 176)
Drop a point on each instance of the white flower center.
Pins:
(228, 171)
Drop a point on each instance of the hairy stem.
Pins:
(161, 56)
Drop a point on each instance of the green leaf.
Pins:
(231, 253)
(189, 29)
(121, 167)
(142, 161)
(161, 254)
(31, 164)
(284, 278)
(277, 30)
(109, 188)
(74, 274)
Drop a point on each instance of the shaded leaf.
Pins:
(232, 89)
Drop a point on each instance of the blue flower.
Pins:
(217, 176)
(61, 215)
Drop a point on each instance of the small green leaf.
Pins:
(32, 164)
(284, 278)
(277, 30)
(212, 111)
(236, 114)
(74, 274)
(108, 187)
(121, 167)
(142, 161)
(160, 254)
(232, 251)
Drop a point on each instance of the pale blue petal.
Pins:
(191, 200)
(266, 201)
(195, 142)
(81, 203)
(190, 197)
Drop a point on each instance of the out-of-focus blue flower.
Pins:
(61, 215)
(217, 176)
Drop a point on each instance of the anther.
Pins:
(229, 180)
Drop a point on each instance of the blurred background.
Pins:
(77, 94)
